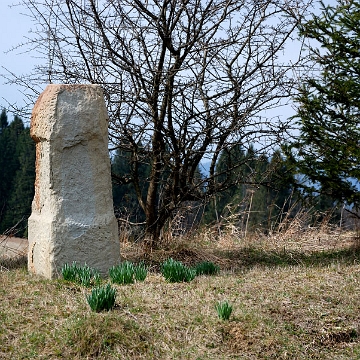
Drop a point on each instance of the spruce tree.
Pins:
(22, 191)
(230, 169)
(3, 121)
(262, 193)
(124, 192)
(17, 175)
(9, 162)
(327, 151)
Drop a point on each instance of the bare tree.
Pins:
(183, 80)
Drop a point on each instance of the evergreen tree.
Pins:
(124, 190)
(327, 151)
(231, 161)
(263, 188)
(3, 121)
(259, 194)
(4, 158)
(281, 187)
(17, 164)
(9, 163)
(22, 192)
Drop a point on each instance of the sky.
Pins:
(14, 27)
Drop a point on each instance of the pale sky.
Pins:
(14, 27)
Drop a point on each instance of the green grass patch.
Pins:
(206, 268)
(140, 272)
(175, 271)
(128, 273)
(224, 310)
(82, 275)
(102, 298)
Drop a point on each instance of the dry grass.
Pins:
(293, 298)
(13, 252)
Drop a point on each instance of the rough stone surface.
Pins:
(72, 215)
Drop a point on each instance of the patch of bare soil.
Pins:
(12, 246)
(13, 252)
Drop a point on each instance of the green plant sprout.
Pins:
(206, 268)
(82, 275)
(224, 310)
(176, 271)
(102, 298)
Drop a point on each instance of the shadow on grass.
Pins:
(234, 259)
(19, 262)
(251, 256)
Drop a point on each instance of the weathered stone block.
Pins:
(72, 215)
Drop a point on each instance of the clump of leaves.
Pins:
(206, 268)
(127, 273)
(140, 272)
(176, 271)
(69, 272)
(83, 275)
(224, 310)
(102, 298)
(122, 273)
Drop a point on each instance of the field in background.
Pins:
(295, 295)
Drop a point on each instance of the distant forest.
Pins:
(17, 175)
(263, 196)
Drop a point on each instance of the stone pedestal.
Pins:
(72, 215)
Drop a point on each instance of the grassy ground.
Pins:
(292, 299)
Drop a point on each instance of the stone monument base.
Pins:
(52, 245)
(72, 216)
